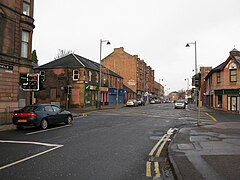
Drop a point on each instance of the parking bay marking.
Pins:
(41, 131)
(54, 147)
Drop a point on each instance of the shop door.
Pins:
(232, 103)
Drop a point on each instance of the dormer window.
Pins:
(233, 75)
(75, 75)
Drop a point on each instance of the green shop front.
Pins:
(227, 99)
(90, 95)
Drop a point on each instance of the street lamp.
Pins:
(197, 99)
(100, 73)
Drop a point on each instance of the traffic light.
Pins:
(69, 89)
(197, 80)
(32, 83)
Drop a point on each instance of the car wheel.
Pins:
(69, 120)
(44, 124)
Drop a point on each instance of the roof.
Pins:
(222, 65)
(75, 61)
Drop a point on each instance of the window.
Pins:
(89, 76)
(25, 44)
(219, 101)
(75, 75)
(218, 77)
(233, 75)
(26, 7)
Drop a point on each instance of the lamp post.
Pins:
(197, 99)
(100, 73)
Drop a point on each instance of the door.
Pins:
(232, 106)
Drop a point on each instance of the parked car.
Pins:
(132, 102)
(180, 104)
(41, 115)
(141, 102)
(152, 101)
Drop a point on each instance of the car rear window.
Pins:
(30, 108)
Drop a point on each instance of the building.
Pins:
(158, 91)
(137, 76)
(223, 84)
(73, 81)
(16, 29)
(204, 72)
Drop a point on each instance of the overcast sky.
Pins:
(155, 30)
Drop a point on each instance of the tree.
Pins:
(181, 94)
(34, 56)
(63, 52)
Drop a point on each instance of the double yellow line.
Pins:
(155, 153)
(213, 118)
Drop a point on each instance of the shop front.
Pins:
(90, 95)
(227, 99)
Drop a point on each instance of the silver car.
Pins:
(180, 104)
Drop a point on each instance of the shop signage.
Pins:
(91, 87)
(6, 66)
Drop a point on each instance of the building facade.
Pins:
(223, 84)
(73, 81)
(137, 76)
(16, 29)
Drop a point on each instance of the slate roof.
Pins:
(75, 61)
(222, 65)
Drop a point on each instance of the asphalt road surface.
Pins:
(109, 144)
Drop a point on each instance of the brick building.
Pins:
(137, 75)
(82, 76)
(204, 72)
(16, 28)
(223, 84)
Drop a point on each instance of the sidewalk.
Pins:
(207, 151)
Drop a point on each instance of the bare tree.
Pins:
(63, 52)
(181, 94)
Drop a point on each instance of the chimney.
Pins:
(121, 49)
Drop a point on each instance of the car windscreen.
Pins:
(180, 101)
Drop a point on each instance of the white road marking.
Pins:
(54, 147)
(41, 131)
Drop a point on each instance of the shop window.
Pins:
(75, 75)
(219, 101)
(25, 44)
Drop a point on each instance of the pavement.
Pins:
(208, 150)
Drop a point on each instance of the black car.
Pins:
(41, 115)
(140, 101)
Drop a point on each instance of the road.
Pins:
(107, 144)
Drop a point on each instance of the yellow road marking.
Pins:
(213, 118)
(162, 145)
(157, 170)
(156, 146)
(148, 169)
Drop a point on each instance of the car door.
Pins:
(60, 116)
(50, 114)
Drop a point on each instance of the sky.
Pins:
(155, 30)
